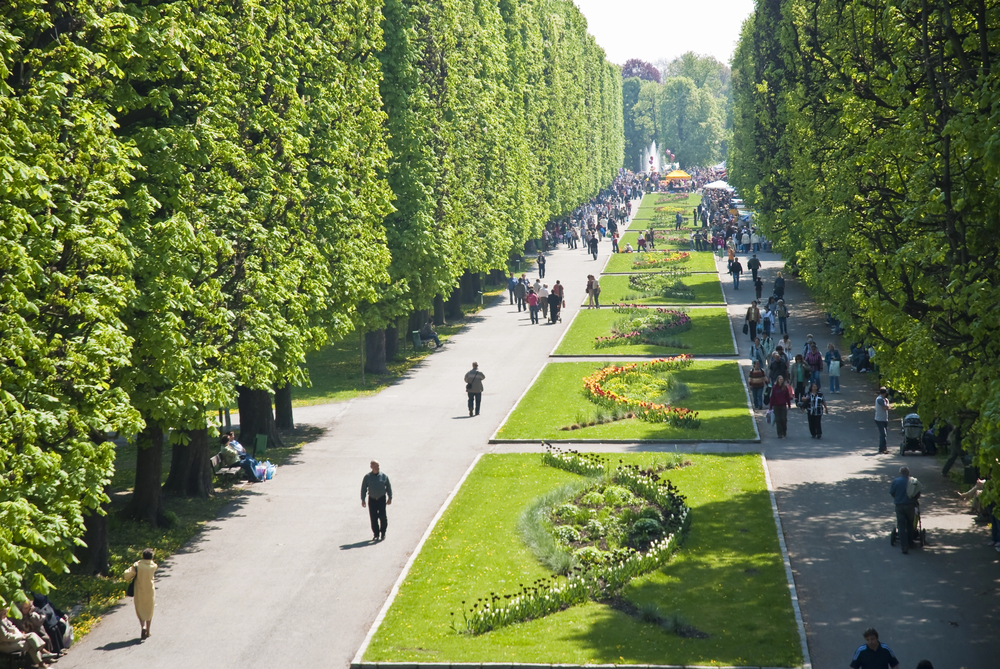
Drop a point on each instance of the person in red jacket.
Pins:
(781, 399)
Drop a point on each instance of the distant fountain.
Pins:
(651, 153)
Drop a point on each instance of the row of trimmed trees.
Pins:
(194, 195)
(684, 109)
(865, 137)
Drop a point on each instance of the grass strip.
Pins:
(557, 399)
(710, 334)
(622, 263)
(706, 287)
(734, 592)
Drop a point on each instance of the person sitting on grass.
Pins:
(427, 333)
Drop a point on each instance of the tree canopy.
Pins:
(194, 195)
(864, 136)
(687, 112)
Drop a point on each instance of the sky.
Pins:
(654, 30)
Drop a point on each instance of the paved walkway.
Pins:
(287, 577)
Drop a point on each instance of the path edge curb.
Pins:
(409, 563)
(799, 622)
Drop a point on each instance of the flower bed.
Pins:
(644, 409)
(602, 574)
(667, 285)
(654, 259)
(643, 325)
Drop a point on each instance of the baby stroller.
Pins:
(913, 432)
(918, 535)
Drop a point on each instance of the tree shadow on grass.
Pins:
(727, 580)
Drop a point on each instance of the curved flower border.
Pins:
(600, 581)
(648, 411)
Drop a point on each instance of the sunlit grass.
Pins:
(730, 587)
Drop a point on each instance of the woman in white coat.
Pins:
(145, 589)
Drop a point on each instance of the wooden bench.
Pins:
(221, 471)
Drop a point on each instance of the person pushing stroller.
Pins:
(905, 491)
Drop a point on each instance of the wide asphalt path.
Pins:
(289, 576)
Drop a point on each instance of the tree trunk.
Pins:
(199, 475)
(530, 248)
(256, 417)
(455, 304)
(146, 504)
(94, 557)
(468, 290)
(190, 468)
(439, 310)
(180, 462)
(375, 352)
(391, 341)
(283, 416)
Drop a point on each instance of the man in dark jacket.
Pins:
(376, 486)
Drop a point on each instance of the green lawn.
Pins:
(648, 208)
(706, 287)
(710, 334)
(335, 371)
(733, 590)
(557, 400)
(621, 263)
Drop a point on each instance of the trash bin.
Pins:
(480, 293)
(417, 343)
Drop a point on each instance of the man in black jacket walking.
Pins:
(376, 485)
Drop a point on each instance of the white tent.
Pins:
(719, 185)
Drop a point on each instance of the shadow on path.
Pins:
(118, 645)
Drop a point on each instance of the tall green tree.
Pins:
(879, 123)
(64, 278)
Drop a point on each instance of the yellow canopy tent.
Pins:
(677, 174)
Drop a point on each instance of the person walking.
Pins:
(736, 269)
(814, 406)
(520, 292)
(591, 297)
(532, 301)
(474, 387)
(797, 376)
(781, 312)
(593, 246)
(814, 359)
(779, 287)
(543, 300)
(376, 486)
(781, 400)
(541, 265)
(752, 318)
(754, 266)
(556, 302)
(595, 290)
(882, 407)
(757, 381)
(873, 654)
(144, 597)
(511, 285)
(905, 492)
(833, 367)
